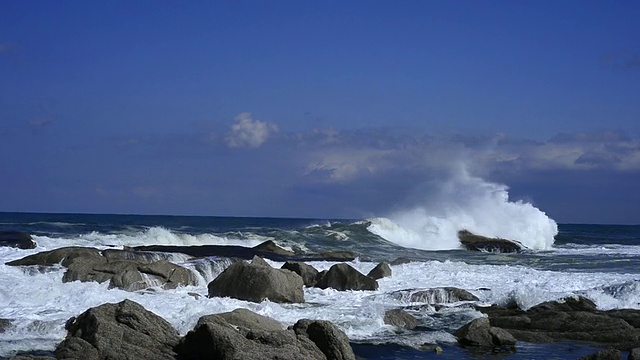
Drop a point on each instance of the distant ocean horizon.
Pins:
(600, 262)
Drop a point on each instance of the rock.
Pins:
(380, 271)
(337, 256)
(16, 239)
(308, 273)
(475, 242)
(256, 283)
(4, 325)
(31, 357)
(219, 340)
(140, 256)
(443, 295)
(245, 320)
(610, 354)
(124, 330)
(271, 247)
(400, 261)
(634, 354)
(400, 318)
(64, 256)
(344, 277)
(257, 260)
(479, 332)
(167, 274)
(332, 341)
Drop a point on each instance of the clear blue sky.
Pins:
(317, 109)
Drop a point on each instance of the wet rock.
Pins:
(4, 325)
(479, 332)
(256, 283)
(271, 247)
(400, 261)
(308, 273)
(634, 354)
(610, 354)
(124, 330)
(337, 256)
(380, 271)
(443, 295)
(475, 242)
(244, 320)
(401, 319)
(64, 256)
(332, 341)
(16, 239)
(257, 260)
(344, 277)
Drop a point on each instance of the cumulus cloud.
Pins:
(249, 133)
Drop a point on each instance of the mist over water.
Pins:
(471, 203)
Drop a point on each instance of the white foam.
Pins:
(471, 203)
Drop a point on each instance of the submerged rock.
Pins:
(125, 330)
(64, 256)
(16, 239)
(401, 319)
(380, 271)
(433, 296)
(256, 282)
(344, 277)
(475, 242)
(308, 273)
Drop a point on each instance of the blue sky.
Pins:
(318, 109)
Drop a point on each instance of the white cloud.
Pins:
(247, 132)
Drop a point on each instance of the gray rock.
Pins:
(4, 325)
(64, 256)
(124, 330)
(479, 332)
(332, 341)
(257, 260)
(16, 239)
(344, 277)
(308, 273)
(634, 354)
(271, 247)
(401, 319)
(245, 320)
(609, 354)
(443, 295)
(256, 283)
(475, 242)
(380, 271)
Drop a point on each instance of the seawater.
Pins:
(596, 261)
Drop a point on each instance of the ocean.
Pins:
(600, 262)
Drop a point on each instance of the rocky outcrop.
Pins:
(243, 320)
(256, 282)
(400, 319)
(479, 332)
(16, 239)
(380, 271)
(475, 242)
(344, 277)
(63, 256)
(124, 330)
(333, 343)
(573, 318)
(308, 273)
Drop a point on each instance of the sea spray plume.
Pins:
(471, 203)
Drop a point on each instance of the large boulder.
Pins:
(223, 341)
(124, 330)
(344, 277)
(64, 256)
(401, 319)
(308, 273)
(380, 271)
(244, 320)
(332, 341)
(256, 282)
(16, 239)
(475, 242)
(270, 247)
(479, 332)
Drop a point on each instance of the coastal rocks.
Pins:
(609, 354)
(574, 318)
(475, 242)
(380, 271)
(332, 341)
(124, 330)
(401, 319)
(433, 296)
(16, 239)
(256, 282)
(479, 332)
(243, 320)
(64, 256)
(308, 273)
(344, 277)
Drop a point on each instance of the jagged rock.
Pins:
(245, 320)
(332, 341)
(479, 332)
(344, 277)
(475, 242)
(308, 273)
(256, 283)
(16, 239)
(401, 319)
(124, 330)
(271, 247)
(220, 340)
(257, 260)
(609, 354)
(380, 271)
(64, 256)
